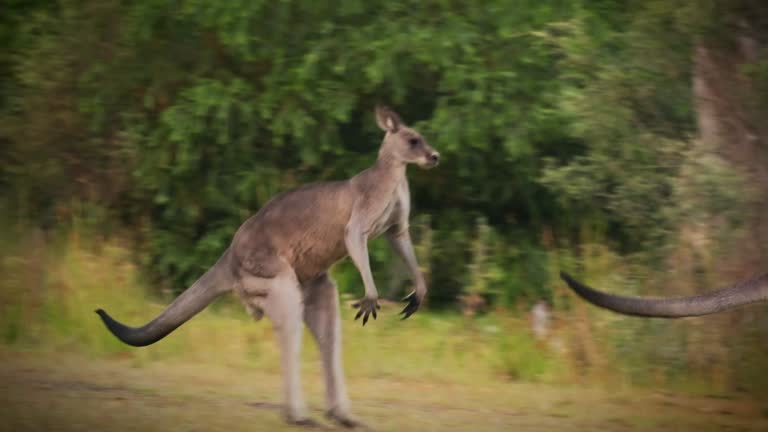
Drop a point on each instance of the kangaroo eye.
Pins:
(413, 142)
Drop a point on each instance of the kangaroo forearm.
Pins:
(403, 247)
(357, 249)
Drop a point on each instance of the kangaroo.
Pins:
(742, 293)
(279, 259)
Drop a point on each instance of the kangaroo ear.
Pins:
(387, 119)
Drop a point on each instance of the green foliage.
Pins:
(188, 117)
(183, 118)
(621, 108)
(482, 271)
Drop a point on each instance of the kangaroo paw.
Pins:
(413, 301)
(368, 306)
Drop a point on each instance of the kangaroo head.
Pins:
(403, 143)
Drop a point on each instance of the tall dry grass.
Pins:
(58, 281)
(53, 282)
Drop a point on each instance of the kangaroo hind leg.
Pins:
(253, 294)
(280, 299)
(321, 314)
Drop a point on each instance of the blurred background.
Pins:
(623, 141)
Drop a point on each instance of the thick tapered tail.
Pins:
(215, 282)
(742, 293)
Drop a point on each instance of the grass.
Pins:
(61, 370)
(64, 392)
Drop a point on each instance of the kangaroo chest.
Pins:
(391, 212)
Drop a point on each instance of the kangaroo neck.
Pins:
(383, 177)
(387, 167)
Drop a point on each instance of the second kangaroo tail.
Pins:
(215, 282)
(742, 293)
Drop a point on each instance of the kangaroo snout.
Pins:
(432, 159)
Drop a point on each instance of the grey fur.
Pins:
(739, 294)
(278, 263)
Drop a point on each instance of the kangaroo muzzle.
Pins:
(431, 160)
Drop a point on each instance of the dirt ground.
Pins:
(56, 392)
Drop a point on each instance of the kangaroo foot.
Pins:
(346, 420)
(303, 422)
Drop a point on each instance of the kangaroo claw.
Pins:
(412, 306)
(367, 307)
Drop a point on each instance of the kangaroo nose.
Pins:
(434, 157)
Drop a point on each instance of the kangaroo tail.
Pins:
(741, 293)
(215, 282)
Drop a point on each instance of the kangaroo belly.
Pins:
(317, 254)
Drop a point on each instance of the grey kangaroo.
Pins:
(278, 263)
(739, 294)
